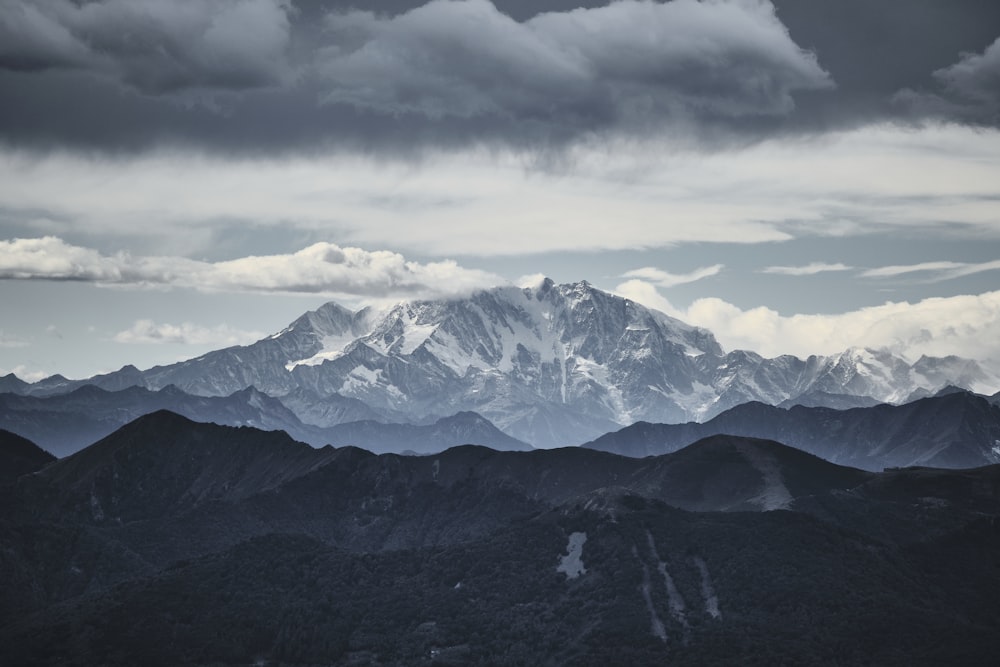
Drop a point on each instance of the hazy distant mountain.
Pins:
(174, 542)
(548, 364)
(66, 423)
(953, 430)
(12, 384)
(462, 428)
(333, 409)
(822, 399)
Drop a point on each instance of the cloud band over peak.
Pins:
(321, 268)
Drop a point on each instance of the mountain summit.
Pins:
(550, 364)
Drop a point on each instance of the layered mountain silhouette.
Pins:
(65, 423)
(176, 542)
(954, 430)
(547, 364)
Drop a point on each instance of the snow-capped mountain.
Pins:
(548, 364)
(545, 363)
(853, 378)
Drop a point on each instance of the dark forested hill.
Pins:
(19, 456)
(172, 542)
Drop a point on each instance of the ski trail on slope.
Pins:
(707, 591)
(675, 601)
(657, 626)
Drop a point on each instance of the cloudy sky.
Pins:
(800, 176)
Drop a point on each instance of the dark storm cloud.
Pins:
(887, 57)
(976, 77)
(630, 61)
(967, 91)
(153, 46)
(396, 75)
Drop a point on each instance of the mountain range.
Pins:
(176, 542)
(956, 429)
(547, 364)
(65, 423)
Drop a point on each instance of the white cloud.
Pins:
(646, 293)
(26, 373)
(322, 268)
(944, 270)
(148, 331)
(807, 270)
(52, 258)
(531, 280)
(967, 326)
(665, 279)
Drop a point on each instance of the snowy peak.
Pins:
(521, 356)
(939, 372)
(323, 334)
(330, 319)
(497, 328)
(863, 372)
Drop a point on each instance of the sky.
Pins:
(798, 176)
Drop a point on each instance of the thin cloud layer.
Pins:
(939, 181)
(322, 268)
(150, 332)
(807, 270)
(939, 271)
(665, 279)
